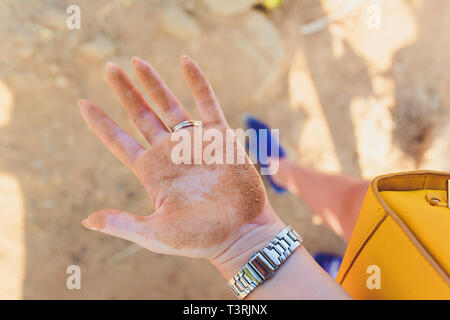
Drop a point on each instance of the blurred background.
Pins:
(355, 86)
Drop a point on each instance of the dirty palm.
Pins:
(201, 210)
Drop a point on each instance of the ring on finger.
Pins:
(185, 124)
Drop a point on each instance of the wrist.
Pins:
(254, 238)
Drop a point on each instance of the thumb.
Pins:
(120, 224)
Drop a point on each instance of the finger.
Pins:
(134, 103)
(123, 225)
(122, 145)
(171, 108)
(207, 103)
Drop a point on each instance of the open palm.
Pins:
(201, 210)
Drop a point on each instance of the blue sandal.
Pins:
(329, 262)
(253, 123)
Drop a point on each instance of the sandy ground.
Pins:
(347, 99)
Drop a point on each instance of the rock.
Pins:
(6, 104)
(54, 68)
(179, 24)
(53, 19)
(189, 5)
(260, 31)
(98, 48)
(48, 204)
(438, 153)
(230, 7)
(259, 40)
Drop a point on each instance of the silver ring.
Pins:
(184, 124)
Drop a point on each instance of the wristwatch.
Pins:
(263, 264)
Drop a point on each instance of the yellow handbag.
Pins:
(400, 246)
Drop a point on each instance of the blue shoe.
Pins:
(253, 123)
(329, 262)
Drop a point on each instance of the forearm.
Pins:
(299, 277)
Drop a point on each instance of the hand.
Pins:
(219, 212)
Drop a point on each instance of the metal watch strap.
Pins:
(263, 264)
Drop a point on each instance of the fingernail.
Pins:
(185, 57)
(81, 102)
(87, 225)
(136, 59)
(96, 220)
(111, 65)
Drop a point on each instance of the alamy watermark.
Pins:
(374, 280)
(373, 21)
(74, 20)
(214, 146)
(73, 281)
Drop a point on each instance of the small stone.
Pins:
(70, 141)
(98, 48)
(230, 7)
(179, 24)
(61, 82)
(25, 52)
(53, 68)
(37, 163)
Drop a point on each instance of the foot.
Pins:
(257, 125)
(329, 262)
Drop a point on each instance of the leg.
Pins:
(337, 199)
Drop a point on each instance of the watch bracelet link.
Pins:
(264, 263)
